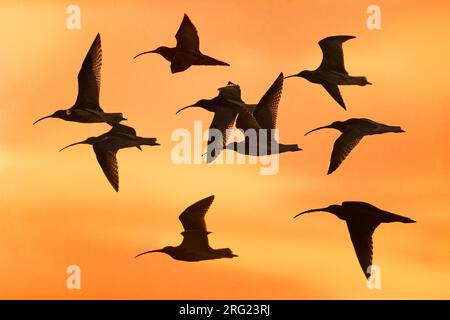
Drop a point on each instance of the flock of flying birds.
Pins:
(362, 218)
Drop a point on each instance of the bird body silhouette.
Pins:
(187, 52)
(353, 130)
(331, 73)
(195, 245)
(263, 118)
(226, 106)
(87, 107)
(106, 146)
(362, 219)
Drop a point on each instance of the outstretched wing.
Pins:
(333, 54)
(223, 120)
(108, 162)
(89, 77)
(193, 217)
(267, 109)
(187, 36)
(246, 120)
(361, 235)
(342, 147)
(335, 93)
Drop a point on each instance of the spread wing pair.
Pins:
(264, 114)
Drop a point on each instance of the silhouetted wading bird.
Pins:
(106, 147)
(353, 130)
(187, 52)
(331, 72)
(362, 219)
(195, 246)
(265, 114)
(226, 107)
(87, 108)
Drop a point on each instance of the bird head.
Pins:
(167, 250)
(334, 209)
(338, 125)
(203, 103)
(306, 74)
(90, 140)
(164, 51)
(61, 114)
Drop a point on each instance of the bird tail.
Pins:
(293, 147)
(213, 62)
(226, 253)
(148, 142)
(115, 117)
(407, 220)
(392, 217)
(361, 81)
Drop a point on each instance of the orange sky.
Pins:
(58, 209)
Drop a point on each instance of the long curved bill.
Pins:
(291, 76)
(191, 106)
(140, 54)
(308, 211)
(151, 251)
(73, 144)
(325, 127)
(50, 116)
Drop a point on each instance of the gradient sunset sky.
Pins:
(57, 209)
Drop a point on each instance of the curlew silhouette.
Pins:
(106, 146)
(187, 52)
(362, 219)
(87, 107)
(195, 246)
(353, 130)
(331, 73)
(264, 117)
(226, 107)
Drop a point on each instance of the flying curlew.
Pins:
(362, 219)
(87, 107)
(353, 130)
(195, 245)
(331, 73)
(106, 146)
(187, 52)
